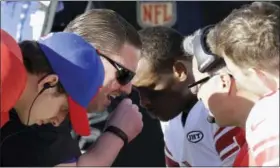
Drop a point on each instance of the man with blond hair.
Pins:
(248, 40)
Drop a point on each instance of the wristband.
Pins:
(118, 132)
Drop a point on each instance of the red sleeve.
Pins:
(228, 141)
(242, 158)
(266, 152)
(169, 160)
(264, 141)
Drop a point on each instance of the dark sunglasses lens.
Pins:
(124, 77)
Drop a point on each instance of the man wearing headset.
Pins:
(162, 78)
(248, 40)
(217, 89)
(118, 46)
(60, 79)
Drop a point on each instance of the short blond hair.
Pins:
(249, 36)
(105, 29)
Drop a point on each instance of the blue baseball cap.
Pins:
(80, 72)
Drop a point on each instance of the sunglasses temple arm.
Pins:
(198, 82)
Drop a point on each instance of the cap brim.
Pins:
(13, 81)
(78, 117)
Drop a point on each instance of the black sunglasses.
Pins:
(203, 80)
(124, 75)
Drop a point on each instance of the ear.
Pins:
(180, 71)
(52, 79)
(226, 83)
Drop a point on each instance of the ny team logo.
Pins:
(195, 136)
(156, 13)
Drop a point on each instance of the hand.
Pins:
(127, 118)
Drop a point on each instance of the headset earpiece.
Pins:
(47, 85)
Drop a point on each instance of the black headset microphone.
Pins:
(211, 119)
(45, 87)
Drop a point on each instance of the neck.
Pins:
(22, 109)
(273, 83)
(243, 118)
(189, 102)
(246, 105)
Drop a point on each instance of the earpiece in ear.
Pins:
(48, 85)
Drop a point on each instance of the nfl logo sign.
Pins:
(156, 13)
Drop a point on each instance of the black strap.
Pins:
(118, 132)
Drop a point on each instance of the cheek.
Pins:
(61, 116)
(238, 75)
(204, 94)
(57, 104)
(216, 105)
(245, 83)
(99, 98)
(110, 74)
(113, 87)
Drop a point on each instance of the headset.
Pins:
(45, 87)
(206, 60)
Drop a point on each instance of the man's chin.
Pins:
(152, 115)
(168, 117)
(155, 115)
(164, 119)
(102, 109)
(160, 117)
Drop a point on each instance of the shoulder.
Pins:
(167, 126)
(173, 131)
(264, 117)
(262, 131)
(40, 146)
(267, 105)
